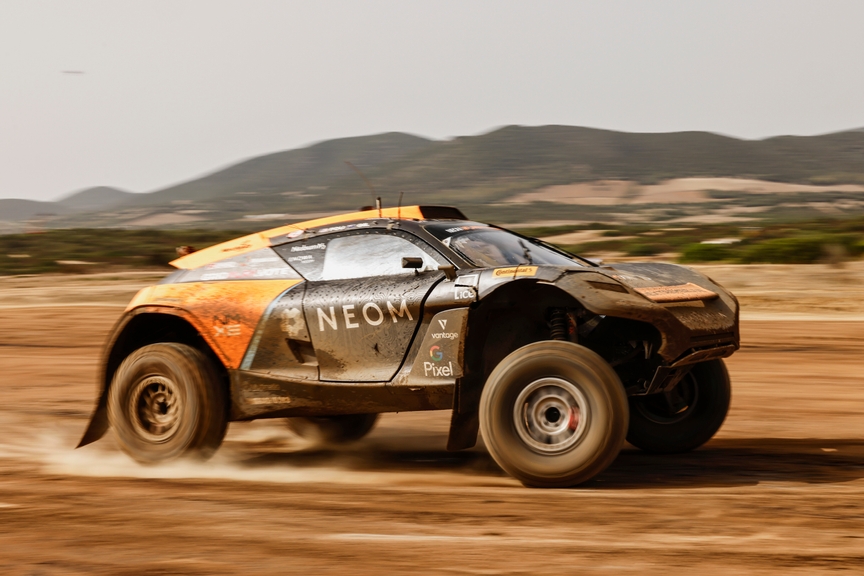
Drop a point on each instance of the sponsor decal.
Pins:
(245, 274)
(244, 246)
(221, 265)
(515, 271)
(442, 370)
(372, 309)
(462, 229)
(260, 264)
(293, 323)
(332, 229)
(215, 276)
(402, 311)
(306, 247)
(370, 312)
(679, 293)
(227, 329)
(303, 259)
(465, 287)
(445, 336)
(436, 354)
(272, 272)
(464, 293)
(341, 227)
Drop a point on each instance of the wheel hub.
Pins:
(551, 415)
(673, 405)
(155, 408)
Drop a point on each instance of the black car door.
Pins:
(363, 310)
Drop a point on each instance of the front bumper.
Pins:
(691, 331)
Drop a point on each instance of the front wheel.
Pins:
(166, 401)
(553, 414)
(332, 429)
(685, 417)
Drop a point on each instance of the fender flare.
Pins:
(465, 418)
(98, 424)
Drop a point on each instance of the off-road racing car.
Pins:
(328, 323)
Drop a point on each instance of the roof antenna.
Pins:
(399, 206)
(375, 197)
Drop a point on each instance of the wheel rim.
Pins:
(671, 406)
(154, 408)
(551, 415)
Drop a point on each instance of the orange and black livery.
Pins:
(331, 322)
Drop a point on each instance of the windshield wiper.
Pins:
(526, 252)
(561, 251)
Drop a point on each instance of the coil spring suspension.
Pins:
(558, 324)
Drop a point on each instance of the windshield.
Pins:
(490, 247)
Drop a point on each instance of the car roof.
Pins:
(260, 240)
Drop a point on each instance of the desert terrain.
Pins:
(675, 190)
(779, 489)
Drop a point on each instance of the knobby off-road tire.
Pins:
(332, 429)
(687, 416)
(166, 401)
(553, 414)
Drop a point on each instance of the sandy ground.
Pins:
(779, 490)
(582, 236)
(677, 190)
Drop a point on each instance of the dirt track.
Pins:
(780, 489)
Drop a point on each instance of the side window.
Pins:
(263, 264)
(307, 257)
(365, 255)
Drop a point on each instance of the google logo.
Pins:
(436, 354)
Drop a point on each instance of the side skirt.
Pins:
(259, 395)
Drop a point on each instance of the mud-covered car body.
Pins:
(391, 310)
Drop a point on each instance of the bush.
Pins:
(103, 248)
(706, 253)
(795, 250)
(644, 249)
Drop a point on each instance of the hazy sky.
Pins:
(171, 89)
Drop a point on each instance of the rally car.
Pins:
(331, 322)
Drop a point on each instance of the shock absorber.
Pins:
(558, 324)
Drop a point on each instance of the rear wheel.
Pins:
(165, 402)
(333, 429)
(553, 414)
(685, 417)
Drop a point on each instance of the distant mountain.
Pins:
(480, 172)
(16, 210)
(294, 170)
(517, 156)
(95, 199)
(489, 167)
(15, 213)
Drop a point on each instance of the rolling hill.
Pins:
(95, 199)
(480, 172)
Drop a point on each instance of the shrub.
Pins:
(644, 249)
(794, 250)
(706, 253)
